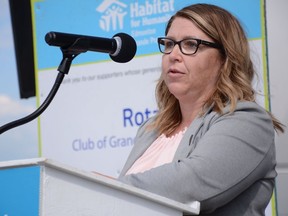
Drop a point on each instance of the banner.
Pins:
(92, 122)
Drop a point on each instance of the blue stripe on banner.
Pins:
(144, 20)
(19, 191)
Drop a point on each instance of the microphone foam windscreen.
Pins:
(127, 50)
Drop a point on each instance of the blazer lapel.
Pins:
(186, 144)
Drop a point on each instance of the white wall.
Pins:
(277, 33)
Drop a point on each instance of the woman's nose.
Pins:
(176, 53)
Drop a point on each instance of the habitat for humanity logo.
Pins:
(113, 13)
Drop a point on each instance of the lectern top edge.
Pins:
(193, 208)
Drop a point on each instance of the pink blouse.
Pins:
(160, 152)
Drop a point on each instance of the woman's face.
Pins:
(190, 77)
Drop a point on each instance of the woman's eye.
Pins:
(190, 44)
(169, 44)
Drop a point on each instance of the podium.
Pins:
(45, 187)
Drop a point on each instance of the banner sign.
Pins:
(94, 117)
(92, 121)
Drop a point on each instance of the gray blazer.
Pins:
(227, 162)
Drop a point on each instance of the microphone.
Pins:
(121, 48)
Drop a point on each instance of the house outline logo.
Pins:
(113, 13)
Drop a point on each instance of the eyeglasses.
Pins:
(188, 46)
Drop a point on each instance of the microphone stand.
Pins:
(68, 55)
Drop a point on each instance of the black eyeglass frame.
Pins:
(199, 41)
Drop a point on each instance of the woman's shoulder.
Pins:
(245, 111)
(245, 105)
(253, 110)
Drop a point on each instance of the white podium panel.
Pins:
(44, 187)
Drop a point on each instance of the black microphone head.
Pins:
(126, 50)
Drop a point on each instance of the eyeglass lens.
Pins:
(187, 46)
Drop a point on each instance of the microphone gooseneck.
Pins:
(121, 48)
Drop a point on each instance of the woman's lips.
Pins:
(174, 72)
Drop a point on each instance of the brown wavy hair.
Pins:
(236, 74)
